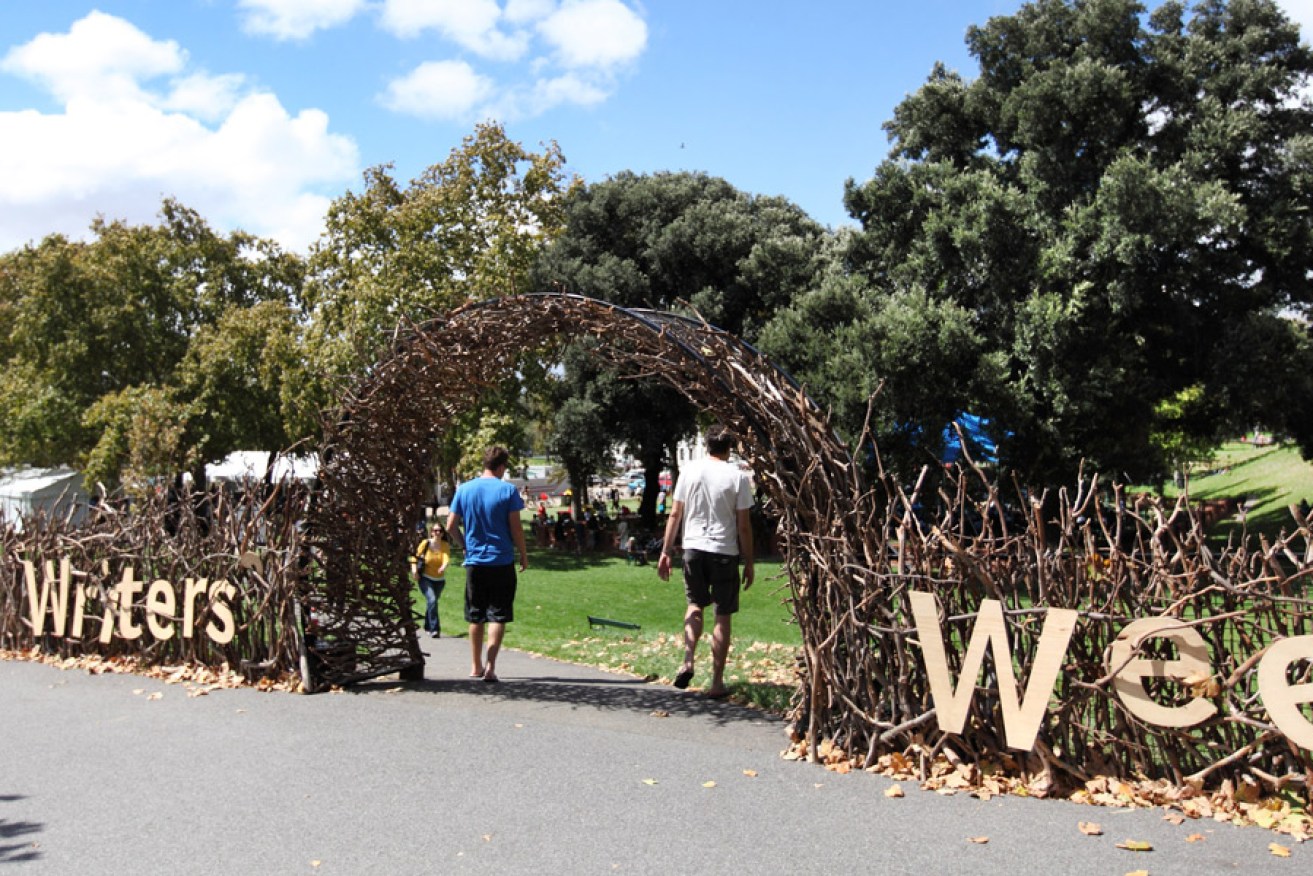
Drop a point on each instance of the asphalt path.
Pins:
(557, 769)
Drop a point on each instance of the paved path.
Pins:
(558, 769)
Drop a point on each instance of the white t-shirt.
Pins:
(713, 492)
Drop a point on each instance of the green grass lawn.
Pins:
(560, 591)
(1270, 479)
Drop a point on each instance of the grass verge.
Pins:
(560, 591)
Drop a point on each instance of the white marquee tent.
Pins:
(251, 465)
(56, 491)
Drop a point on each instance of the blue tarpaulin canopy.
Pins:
(980, 445)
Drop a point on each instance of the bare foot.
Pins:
(718, 693)
(476, 673)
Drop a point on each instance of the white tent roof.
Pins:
(53, 490)
(52, 482)
(251, 464)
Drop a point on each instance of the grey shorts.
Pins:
(712, 578)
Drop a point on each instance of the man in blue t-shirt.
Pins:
(488, 508)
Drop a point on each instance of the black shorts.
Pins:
(712, 578)
(490, 594)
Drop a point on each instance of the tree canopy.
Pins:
(466, 229)
(685, 242)
(1101, 240)
(113, 349)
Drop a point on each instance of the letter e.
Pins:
(1191, 661)
(1281, 698)
(161, 603)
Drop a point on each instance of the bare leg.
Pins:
(692, 632)
(719, 653)
(476, 650)
(496, 632)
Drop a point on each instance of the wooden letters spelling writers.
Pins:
(123, 606)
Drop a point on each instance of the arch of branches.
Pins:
(863, 550)
(856, 543)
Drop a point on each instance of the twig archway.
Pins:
(377, 454)
(883, 575)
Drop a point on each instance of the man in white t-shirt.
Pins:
(712, 501)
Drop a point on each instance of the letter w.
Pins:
(1021, 717)
(40, 605)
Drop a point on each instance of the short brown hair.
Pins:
(720, 440)
(496, 457)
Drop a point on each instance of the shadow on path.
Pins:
(607, 694)
(16, 852)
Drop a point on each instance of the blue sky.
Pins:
(257, 113)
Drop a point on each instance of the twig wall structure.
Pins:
(249, 540)
(858, 546)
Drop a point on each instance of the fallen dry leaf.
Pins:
(978, 840)
(1279, 850)
(1174, 818)
(1195, 838)
(155, 696)
(1138, 873)
(709, 784)
(1135, 846)
(660, 713)
(1090, 828)
(752, 774)
(649, 781)
(487, 837)
(894, 791)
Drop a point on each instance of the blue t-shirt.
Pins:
(485, 506)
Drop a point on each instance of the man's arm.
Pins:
(454, 533)
(668, 543)
(744, 520)
(517, 536)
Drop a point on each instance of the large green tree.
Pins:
(1105, 233)
(94, 336)
(465, 230)
(685, 242)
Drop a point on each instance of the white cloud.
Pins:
(567, 89)
(438, 90)
(581, 43)
(527, 11)
(296, 19)
(471, 24)
(206, 97)
(595, 33)
(100, 56)
(240, 159)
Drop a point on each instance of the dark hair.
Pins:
(496, 457)
(719, 440)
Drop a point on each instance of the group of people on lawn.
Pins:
(709, 517)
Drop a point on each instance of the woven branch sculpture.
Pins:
(855, 546)
(859, 549)
(247, 539)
